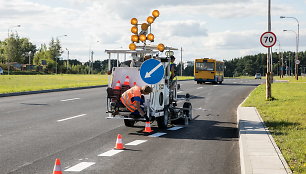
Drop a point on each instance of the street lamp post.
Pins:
(67, 58)
(65, 35)
(296, 54)
(8, 36)
(297, 45)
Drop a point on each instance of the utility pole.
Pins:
(181, 61)
(268, 76)
(92, 62)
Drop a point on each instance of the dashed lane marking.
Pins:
(111, 152)
(79, 167)
(175, 128)
(70, 99)
(136, 142)
(71, 117)
(199, 87)
(158, 134)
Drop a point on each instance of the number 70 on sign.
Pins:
(268, 39)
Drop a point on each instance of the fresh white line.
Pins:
(71, 117)
(110, 152)
(70, 99)
(199, 87)
(136, 142)
(158, 134)
(175, 128)
(79, 167)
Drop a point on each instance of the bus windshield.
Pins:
(205, 66)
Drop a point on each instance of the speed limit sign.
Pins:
(268, 39)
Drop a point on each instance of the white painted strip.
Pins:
(111, 152)
(175, 128)
(79, 167)
(179, 92)
(199, 87)
(215, 85)
(158, 134)
(136, 142)
(71, 99)
(234, 82)
(71, 117)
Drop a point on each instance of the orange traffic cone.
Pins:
(57, 167)
(119, 143)
(117, 85)
(148, 128)
(127, 81)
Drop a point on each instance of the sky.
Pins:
(221, 29)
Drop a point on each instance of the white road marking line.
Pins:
(179, 92)
(71, 117)
(79, 167)
(175, 128)
(234, 82)
(199, 87)
(158, 134)
(215, 85)
(70, 99)
(111, 152)
(136, 142)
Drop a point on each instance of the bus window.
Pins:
(205, 66)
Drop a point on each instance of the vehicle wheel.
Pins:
(188, 112)
(220, 82)
(162, 121)
(198, 82)
(129, 123)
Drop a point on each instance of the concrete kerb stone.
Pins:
(245, 162)
(47, 91)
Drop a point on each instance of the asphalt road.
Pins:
(71, 125)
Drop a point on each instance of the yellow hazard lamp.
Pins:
(142, 37)
(132, 46)
(134, 30)
(134, 38)
(161, 47)
(150, 37)
(155, 13)
(144, 26)
(150, 19)
(134, 21)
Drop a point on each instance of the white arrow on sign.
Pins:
(148, 74)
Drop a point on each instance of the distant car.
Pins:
(1, 71)
(257, 76)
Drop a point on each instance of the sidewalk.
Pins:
(259, 153)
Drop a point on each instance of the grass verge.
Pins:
(21, 83)
(286, 119)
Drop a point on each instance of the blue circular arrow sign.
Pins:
(152, 71)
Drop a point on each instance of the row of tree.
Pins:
(252, 64)
(21, 50)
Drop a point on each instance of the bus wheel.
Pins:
(220, 82)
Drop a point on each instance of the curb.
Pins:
(47, 91)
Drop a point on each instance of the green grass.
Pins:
(21, 83)
(286, 119)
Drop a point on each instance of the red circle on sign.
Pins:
(267, 36)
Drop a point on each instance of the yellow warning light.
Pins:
(142, 37)
(150, 19)
(150, 37)
(134, 38)
(132, 46)
(155, 13)
(134, 21)
(134, 30)
(144, 26)
(161, 47)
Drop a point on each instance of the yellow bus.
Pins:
(208, 70)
